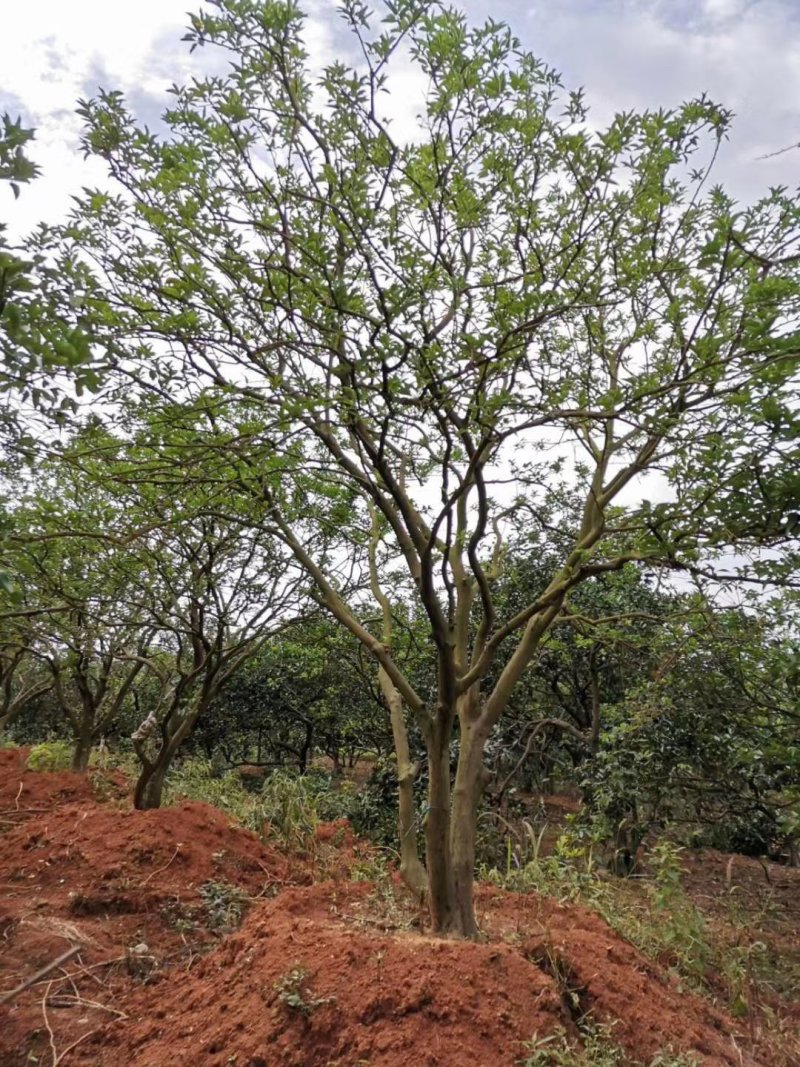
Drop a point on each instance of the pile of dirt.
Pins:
(305, 983)
(299, 985)
(609, 981)
(22, 791)
(137, 891)
(115, 860)
(332, 973)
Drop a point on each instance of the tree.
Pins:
(225, 596)
(507, 310)
(21, 679)
(75, 589)
(306, 691)
(707, 743)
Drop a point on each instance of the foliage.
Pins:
(305, 691)
(683, 931)
(291, 806)
(288, 809)
(50, 756)
(194, 779)
(325, 331)
(373, 811)
(706, 744)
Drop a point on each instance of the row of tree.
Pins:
(135, 615)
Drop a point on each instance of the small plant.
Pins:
(684, 931)
(292, 990)
(225, 905)
(50, 756)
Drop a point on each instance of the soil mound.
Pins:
(300, 985)
(609, 981)
(22, 791)
(307, 983)
(101, 853)
(136, 891)
(326, 974)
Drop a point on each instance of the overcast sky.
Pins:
(626, 53)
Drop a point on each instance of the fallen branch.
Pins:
(74, 1044)
(66, 1000)
(24, 811)
(158, 870)
(34, 979)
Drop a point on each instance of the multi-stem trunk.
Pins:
(411, 869)
(149, 791)
(451, 826)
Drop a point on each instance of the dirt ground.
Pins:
(201, 946)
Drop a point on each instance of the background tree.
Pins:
(80, 586)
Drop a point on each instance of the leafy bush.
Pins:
(374, 807)
(50, 756)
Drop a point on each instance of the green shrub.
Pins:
(683, 929)
(374, 806)
(50, 756)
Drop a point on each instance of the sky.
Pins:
(626, 54)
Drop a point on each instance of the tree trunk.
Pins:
(81, 753)
(305, 751)
(438, 859)
(411, 869)
(466, 796)
(150, 785)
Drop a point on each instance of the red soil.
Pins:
(318, 975)
(23, 789)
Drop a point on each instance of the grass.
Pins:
(595, 1049)
(718, 960)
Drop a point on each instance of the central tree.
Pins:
(503, 320)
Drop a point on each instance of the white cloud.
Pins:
(627, 53)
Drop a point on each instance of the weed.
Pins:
(292, 990)
(194, 779)
(288, 808)
(225, 905)
(596, 1049)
